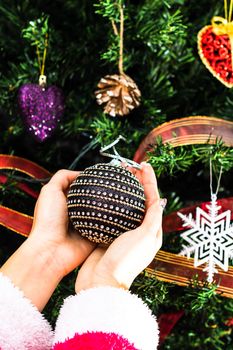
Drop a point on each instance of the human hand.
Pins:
(51, 231)
(131, 252)
(52, 249)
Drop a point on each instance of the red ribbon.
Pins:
(12, 219)
(23, 165)
(15, 221)
(23, 187)
(167, 322)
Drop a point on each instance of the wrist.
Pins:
(32, 270)
(45, 256)
(99, 278)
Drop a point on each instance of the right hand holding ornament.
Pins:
(131, 252)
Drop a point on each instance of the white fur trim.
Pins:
(108, 309)
(22, 326)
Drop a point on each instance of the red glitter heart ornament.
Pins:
(216, 54)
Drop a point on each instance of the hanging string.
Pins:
(225, 8)
(211, 180)
(41, 61)
(230, 11)
(38, 57)
(44, 54)
(121, 38)
(228, 16)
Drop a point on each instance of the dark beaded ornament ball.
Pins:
(105, 201)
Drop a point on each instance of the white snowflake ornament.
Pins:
(210, 238)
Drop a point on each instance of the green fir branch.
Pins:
(167, 159)
(200, 295)
(107, 129)
(109, 9)
(36, 31)
(153, 292)
(219, 154)
(160, 32)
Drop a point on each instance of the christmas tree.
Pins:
(83, 43)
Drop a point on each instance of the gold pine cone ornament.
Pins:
(120, 94)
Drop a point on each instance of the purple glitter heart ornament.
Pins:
(42, 108)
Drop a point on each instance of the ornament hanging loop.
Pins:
(212, 193)
(41, 61)
(117, 159)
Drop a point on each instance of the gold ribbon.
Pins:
(221, 26)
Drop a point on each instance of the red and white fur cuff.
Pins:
(106, 314)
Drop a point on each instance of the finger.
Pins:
(136, 172)
(95, 256)
(92, 260)
(147, 178)
(159, 238)
(130, 168)
(63, 178)
(153, 219)
(149, 183)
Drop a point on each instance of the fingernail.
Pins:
(163, 202)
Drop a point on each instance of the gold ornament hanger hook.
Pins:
(117, 159)
(42, 80)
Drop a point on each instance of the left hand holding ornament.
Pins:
(41, 106)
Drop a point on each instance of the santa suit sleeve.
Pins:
(105, 318)
(22, 326)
